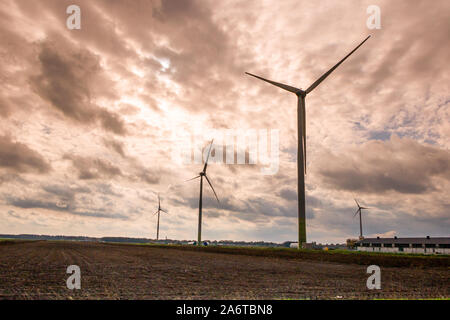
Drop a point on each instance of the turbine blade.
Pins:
(364, 208)
(326, 74)
(163, 210)
(155, 212)
(357, 204)
(207, 157)
(356, 213)
(277, 84)
(207, 179)
(192, 178)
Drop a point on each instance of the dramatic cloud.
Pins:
(401, 165)
(93, 168)
(66, 82)
(38, 204)
(288, 194)
(18, 157)
(117, 146)
(5, 108)
(91, 119)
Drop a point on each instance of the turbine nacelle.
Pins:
(359, 207)
(300, 93)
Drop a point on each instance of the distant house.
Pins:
(427, 245)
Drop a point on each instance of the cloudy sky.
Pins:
(89, 118)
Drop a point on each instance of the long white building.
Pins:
(427, 245)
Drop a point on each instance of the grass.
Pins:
(333, 251)
(438, 298)
(338, 256)
(6, 241)
(381, 299)
(385, 253)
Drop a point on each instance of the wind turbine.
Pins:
(301, 143)
(158, 212)
(360, 219)
(201, 175)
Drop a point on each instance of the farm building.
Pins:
(425, 245)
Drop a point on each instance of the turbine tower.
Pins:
(301, 143)
(201, 175)
(360, 219)
(158, 212)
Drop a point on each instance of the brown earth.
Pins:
(37, 270)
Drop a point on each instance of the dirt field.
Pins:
(37, 270)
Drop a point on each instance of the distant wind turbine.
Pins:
(201, 175)
(158, 212)
(360, 219)
(301, 142)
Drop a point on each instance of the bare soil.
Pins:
(37, 270)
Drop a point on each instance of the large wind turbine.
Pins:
(201, 175)
(301, 143)
(360, 219)
(158, 212)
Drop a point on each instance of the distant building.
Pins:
(425, 245)
(318, 246)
